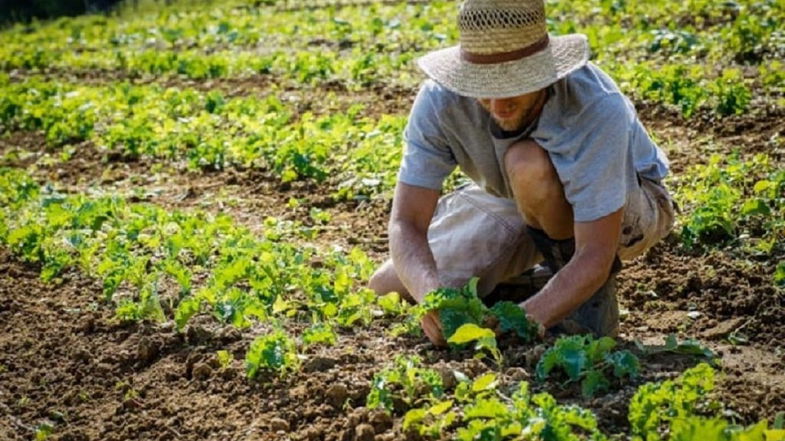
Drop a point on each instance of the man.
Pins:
(562, 168)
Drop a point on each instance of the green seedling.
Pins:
(275, 352)
(588, 361)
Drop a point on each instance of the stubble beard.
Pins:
(524, 119)
(510, 125)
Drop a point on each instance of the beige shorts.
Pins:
(474, 233)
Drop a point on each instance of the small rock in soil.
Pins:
(82, 355)
(448, 377)
(337, 394)
(229, 334)
(202, 371)
(147, 350)
(197, 334)
(358, 415)
(517, 374)
(319, 364)
(534, 355)
(381, 421)
(312, 433)
(277, 424)
(364, 432)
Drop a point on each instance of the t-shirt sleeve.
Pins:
(592, 158)
(427, 160)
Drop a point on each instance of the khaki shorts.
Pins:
(474, 233)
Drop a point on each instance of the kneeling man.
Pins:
(564, 173)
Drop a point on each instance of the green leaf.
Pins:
(275, 352)
(486, 408)
(686, 347)
(624, 363)
(440, 408)
(186, 309)
(470, 332)
(413, 417)
(484, 382)
(319, 333)
(593, 382)
(513, 318)
(549, 360)
(225, 358)
(574, 362)
(779, 274)
(390, 303)
(598, 349)
(755, 206)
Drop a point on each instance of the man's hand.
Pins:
(432, 327)
(596, 243)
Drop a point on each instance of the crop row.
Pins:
(726, 200)
(731, 200)
(487, 409)
(653, 59)
(355, 154)
(159, 265)
(747, 32)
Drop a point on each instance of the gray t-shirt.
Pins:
(590, 130)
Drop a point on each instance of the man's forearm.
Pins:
(413, 259)
(568, 289)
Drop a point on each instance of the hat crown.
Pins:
(499, 26)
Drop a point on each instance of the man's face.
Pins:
(514, 112)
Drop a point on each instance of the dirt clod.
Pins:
(319, 364)
(364, 432)
(202, 371)
(279, 424)
(337, 394)
(381, 421)
(516, 374)
(147, 350)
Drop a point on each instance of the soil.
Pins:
(65, 360)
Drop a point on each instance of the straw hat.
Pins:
(504, 51)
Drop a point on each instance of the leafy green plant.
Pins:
(458, 307)
(224, 358)
(405, 382)
(729, 197)
(274, 352)
(779, 275)
(588, 360)
(319, 333)
(681, 409)
(481, 411)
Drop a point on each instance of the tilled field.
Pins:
(142, 262)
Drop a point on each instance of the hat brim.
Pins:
(563, 55)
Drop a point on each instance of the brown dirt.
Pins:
(65, 360)
(727, 297)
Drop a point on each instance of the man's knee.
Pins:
(385, 280)
(529, 167)
(379, 281)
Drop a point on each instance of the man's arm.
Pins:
(596, 243)
(412, 210)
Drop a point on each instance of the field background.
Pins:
(187, 183)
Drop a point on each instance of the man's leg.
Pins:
(539, 194)
(538, 191)
(386, 280)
